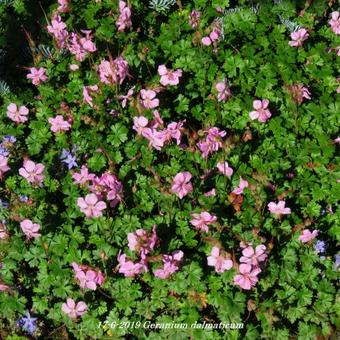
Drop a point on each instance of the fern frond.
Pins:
(161, 5)
(6, 2)
(4, 88)
(45, 50)
(290, 25)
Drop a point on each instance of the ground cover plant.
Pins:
(169, 169)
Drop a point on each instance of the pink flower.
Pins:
(181, 185)
(218, 261)
(129, 268)
(156, 138)
(194, 18)
(72, 309)
(63, 6)
(58, 29)
(157, 121)
(113, 72)
(37, 75)
(262, 114)
(30, 229)
(337, 140)
(223, 90)
(278, 208)
(171, 265)
(298, 37)
(87, 280)
(299, 93)
(335, 22)
(142, 241)
(58, 124)
(3, 287)
(215, 34)
(84, 176)
(212, 143)
(91, 206)
(247, 277)
(212, 192)
(223, 168)
(86, 42)
(32, 172)
(124, 20)
(87, 92)
(109, 186)
(253, 257)
(307, 235)
(80, 46)
(149, 100)
(17, 115)
(88, 277)
(206, 41)
(74, 67)
(3, 165)
(242, 185)
(202, 220)
(173, 130)
(169, 77)
(128, 96)
(139, 124)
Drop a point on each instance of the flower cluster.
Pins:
(212, 142)
(124, 20)
(299, 93)
(194, 18)
(103, 187)
(154, 131)
(214, 37)
(87, 277)
(143, 243)
(114, 71)
(78, 45)
(249, 267)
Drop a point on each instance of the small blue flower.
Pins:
(28, 323)
(320, 246)
(9, 139)
(69, 159)
(3, 151)
(23, 198)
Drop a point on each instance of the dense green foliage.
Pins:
(290, 157)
